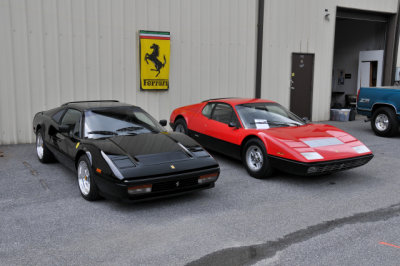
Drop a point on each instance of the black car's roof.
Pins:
(87, 105)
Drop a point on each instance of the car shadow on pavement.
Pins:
(347, 176)
(151, 204)
(290, 178)
(282, 176)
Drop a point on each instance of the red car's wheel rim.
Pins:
(254, 158)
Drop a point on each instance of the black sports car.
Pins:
(119, 151)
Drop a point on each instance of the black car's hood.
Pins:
(144, 144)
(155, 154)
(151, 148)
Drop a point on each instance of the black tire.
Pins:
(90, 193)
(180, 126)
(256, 146)
(43, 153)
(384, 122)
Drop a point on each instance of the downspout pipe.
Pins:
(260, 27)
(396, 45)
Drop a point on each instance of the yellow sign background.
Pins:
(148, 70)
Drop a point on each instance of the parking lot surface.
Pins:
(337, 219)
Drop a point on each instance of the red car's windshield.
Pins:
(266, 115)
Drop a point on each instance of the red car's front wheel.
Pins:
(255, 159)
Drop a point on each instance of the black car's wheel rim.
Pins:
(39, 146)
(84, 178)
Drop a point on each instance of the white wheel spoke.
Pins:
(39, 146)
(84, 178)
(382, 122)
(254, 158)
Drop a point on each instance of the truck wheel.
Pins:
(255, 159)
(384, 122)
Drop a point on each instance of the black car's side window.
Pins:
(72, 118)
(57, 116)
(208, 109)
(223, 113)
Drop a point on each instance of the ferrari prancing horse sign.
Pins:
(154, 60)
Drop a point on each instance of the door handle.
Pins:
(292, 88)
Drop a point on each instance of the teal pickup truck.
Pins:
(382, 107)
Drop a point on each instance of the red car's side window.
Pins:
(222, 113)
(207, 110)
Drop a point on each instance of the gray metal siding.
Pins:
(54, 51)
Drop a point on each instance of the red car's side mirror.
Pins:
(233, 124)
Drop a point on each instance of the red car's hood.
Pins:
(330, 142)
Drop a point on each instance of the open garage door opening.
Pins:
(363, 54)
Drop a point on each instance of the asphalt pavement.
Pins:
(346, 218)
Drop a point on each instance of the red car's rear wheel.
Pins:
(180, 126)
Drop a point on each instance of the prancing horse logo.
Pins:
(153, 57)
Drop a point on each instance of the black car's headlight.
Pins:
(117, 162)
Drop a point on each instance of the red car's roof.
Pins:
(236, 101)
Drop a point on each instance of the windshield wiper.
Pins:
(277, 123)
(136, 128)
(103, 132)
(133, 128)
(286, 123)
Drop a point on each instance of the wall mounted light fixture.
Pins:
(327, 14)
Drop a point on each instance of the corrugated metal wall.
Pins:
(54, 51)
(300, 27)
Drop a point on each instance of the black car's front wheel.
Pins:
(42, 152)
(87, 186)
(255, 159)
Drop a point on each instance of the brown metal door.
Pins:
(301, 84)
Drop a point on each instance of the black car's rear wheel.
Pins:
(180, 126)
(384, 122)
(43, 153)
(87, 186)
(255, 159)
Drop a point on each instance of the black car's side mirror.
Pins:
(306, 120)
(163, 122)
(64, 128)
(232, 124)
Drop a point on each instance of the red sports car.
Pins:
(267, 136)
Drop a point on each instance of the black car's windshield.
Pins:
(108, 122)
(266, 115)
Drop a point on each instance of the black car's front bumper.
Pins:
(162, 186)
(318, 168)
